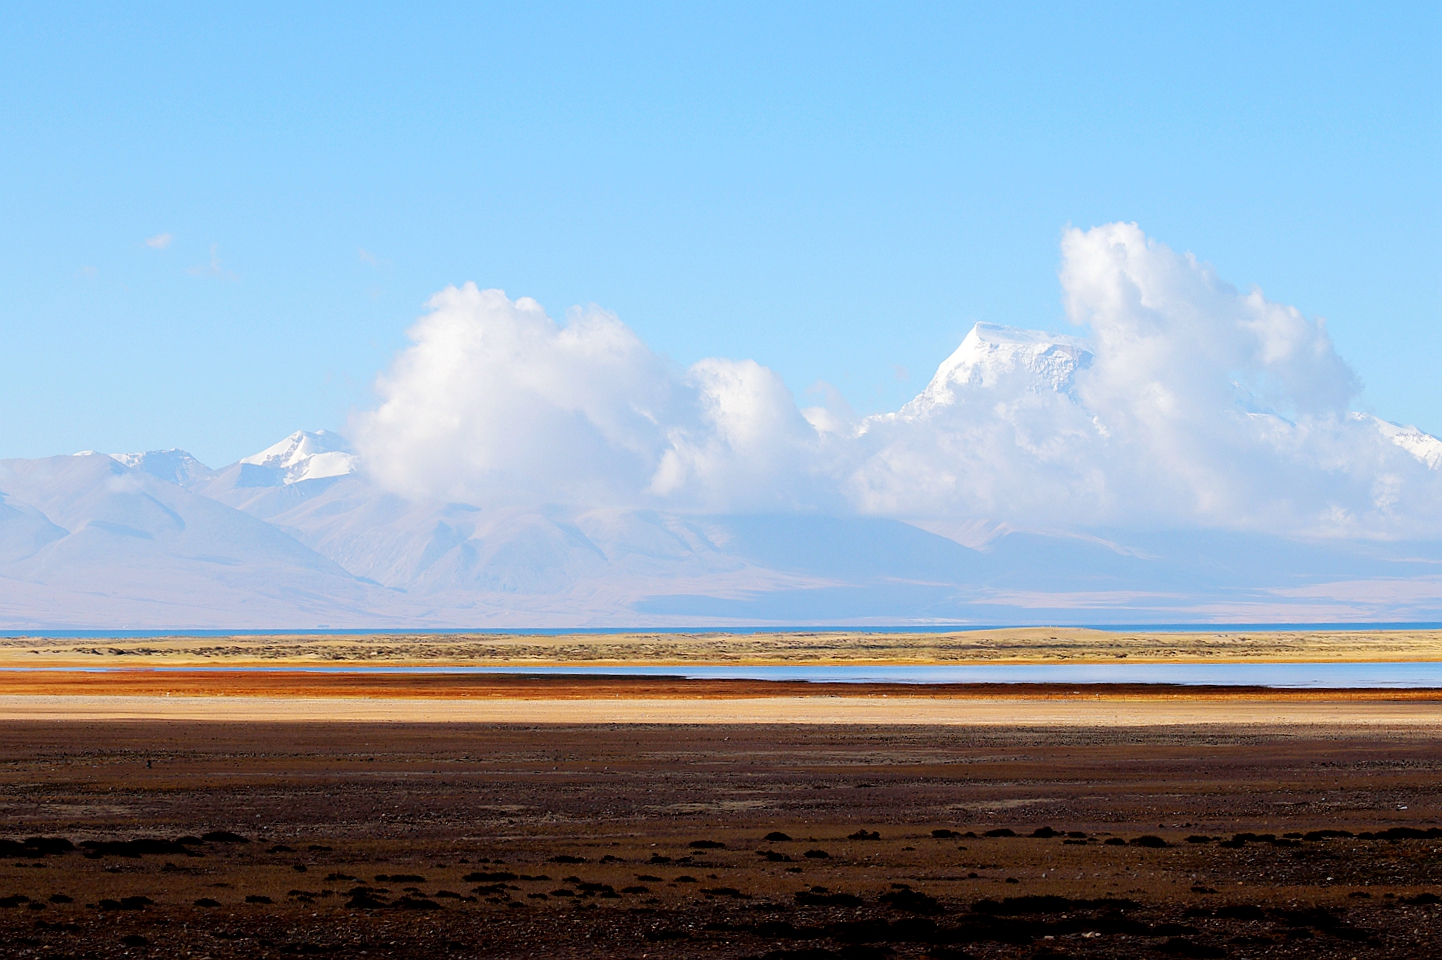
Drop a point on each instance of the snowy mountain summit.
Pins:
(992, 355)
(1423, 446)
(306, 455)
(173, 466)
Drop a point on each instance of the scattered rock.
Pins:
(1403, 833)
(812, 898)
(1182, 947)
(1048, 904)
(662, 935)
(125, 903)
(364, 900)
(1231, 911)
(415, 903)
(34, 847)
(223, 836)
(912, 901)
(139, 847)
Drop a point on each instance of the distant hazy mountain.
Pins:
(298, 536)
(87, 541)
(91, 541)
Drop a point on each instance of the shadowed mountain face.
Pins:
(159, 541)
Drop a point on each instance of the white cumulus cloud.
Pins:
(495, 401)
(1190, 403)
(1181, 401)
(160, 241)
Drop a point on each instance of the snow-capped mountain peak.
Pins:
(991, 353)
(307, 455)
(173, 465)
(1423, 446)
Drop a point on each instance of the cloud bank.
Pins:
(496, 402)
(1180, 401)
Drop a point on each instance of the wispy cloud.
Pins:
(367, 257)
(160, 241)
(214, 268)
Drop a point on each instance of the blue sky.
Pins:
(838, 192)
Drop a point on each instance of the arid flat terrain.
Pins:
(175, 839)
(352, 696)
(174, 803)
(1012, 645)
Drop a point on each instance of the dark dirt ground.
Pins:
(410, 840)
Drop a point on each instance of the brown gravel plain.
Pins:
(743, 840)
(209, 814)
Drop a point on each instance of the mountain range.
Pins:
(300, 536)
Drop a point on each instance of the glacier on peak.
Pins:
(306, 455)
(1423, 446)
(992, 353)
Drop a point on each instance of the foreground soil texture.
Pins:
(219, 840)
(1010, 645)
